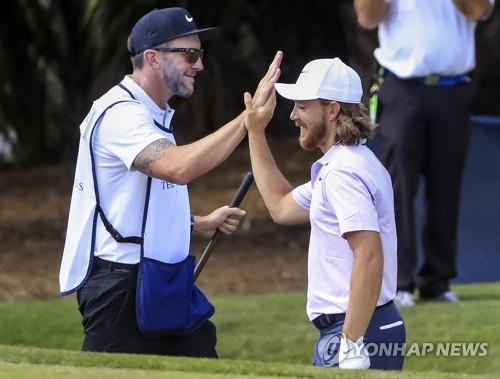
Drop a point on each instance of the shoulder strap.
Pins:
(157, 124)
(109, 227)
(126, 90)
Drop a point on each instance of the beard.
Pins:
(174, 81)
(311, 137)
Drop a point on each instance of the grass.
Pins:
(264, 328)
(21, 362)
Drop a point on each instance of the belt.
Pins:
(103, 264)
(436, 79)
(324, 320)
(442, 80)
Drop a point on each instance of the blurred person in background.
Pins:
(426, 53)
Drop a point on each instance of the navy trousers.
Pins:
(385, 340)
(424, 132)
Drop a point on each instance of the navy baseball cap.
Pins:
(162, 25)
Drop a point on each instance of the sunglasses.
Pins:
(191, 53)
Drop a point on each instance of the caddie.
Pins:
(352, 263)
(127, 246)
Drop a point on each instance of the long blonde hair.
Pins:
(352, 124)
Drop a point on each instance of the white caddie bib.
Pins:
(164, 233)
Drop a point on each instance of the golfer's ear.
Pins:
(333, 110)
(247, 98)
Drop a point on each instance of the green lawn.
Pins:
(26, 362)
(264, 328)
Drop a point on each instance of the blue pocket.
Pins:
(167, 301)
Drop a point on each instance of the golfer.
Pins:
(352, 267)
(129, 229)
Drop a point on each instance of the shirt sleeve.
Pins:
(351, 198)
(302, 195)
(126, 130)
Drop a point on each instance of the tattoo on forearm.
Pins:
(150, 155)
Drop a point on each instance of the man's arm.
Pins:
(370, 12)
(181, 164)
(474, 9)
(366, 281)
(273, 186)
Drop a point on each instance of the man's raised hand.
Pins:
(266, 84)
(257, 118)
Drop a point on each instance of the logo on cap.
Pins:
(163, 25)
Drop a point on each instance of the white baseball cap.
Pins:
(329, 79)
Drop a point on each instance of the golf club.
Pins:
(238, 197)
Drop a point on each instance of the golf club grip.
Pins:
(242, 191)
(238, 197)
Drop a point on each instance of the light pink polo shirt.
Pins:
(349, 190)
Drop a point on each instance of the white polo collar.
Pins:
(162, 116)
